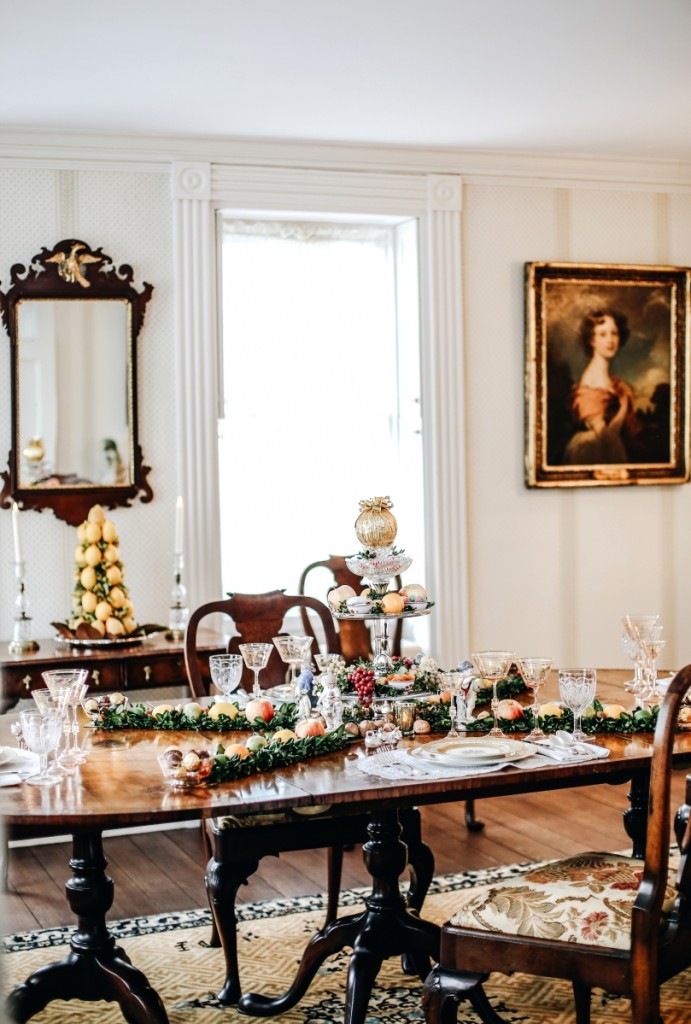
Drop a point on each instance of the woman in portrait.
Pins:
(601, 406)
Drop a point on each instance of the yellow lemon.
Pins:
(116, 597)
(87, 578)
(614, 711)
(103, 610)
(99, 626)
(114, 627)
(222, 707)
(129, 624)
(81, 533)
(283, 735)
(236, 750)
(89, 601)
(112, 553)
(113, 575)
(96, 514)
(161, 709)
(79, 554)
(392, 603)
(550, 708)
(109, 531)
(93, 532)
(92, 555)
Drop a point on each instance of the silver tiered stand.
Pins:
(378, 572)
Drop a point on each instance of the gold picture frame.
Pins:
(587, 426)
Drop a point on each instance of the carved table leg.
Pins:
(222, 884)
(386, 928)
(636, 815)
(95, 968)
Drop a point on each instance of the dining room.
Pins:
(443, 220)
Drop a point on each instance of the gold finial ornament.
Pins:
(376, 526)
(70, 265)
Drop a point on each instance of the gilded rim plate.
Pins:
(473, 750)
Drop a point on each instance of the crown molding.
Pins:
(61, 149)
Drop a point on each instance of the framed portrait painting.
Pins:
(607, 374)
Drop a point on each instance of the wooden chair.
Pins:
(354, 638)
(257, 618)
(235, 845)
(597, 919)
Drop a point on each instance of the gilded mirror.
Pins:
(73, 320)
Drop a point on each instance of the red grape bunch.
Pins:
(362, 681)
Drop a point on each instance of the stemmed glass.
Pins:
(639, 629)
(256, 657)
(535, 672)
(493, 666)
(45, 701)
(293, 650)
(652, 643)
(73, 682)
(226, 672)
(453, 682)
(577, 690)
(42, 731)
(635, 652)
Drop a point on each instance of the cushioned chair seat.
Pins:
(585, 899)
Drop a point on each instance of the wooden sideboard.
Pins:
(154, 662)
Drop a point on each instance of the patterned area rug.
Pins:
(173, 952)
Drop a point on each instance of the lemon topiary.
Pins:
(100, 597)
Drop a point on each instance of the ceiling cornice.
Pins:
(78, 150)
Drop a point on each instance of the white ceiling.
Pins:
(601, 77)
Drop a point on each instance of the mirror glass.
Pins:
(73, 423)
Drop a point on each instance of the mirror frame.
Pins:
(73, 270)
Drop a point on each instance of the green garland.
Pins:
(274, 755)
(137, 716)
(639, 720)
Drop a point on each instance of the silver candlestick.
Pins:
(179, 612)
(21, 638)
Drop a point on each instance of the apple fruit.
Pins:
(192, 710)
(161, 709)
(236, 750)
(413, 592)
(509, 709)
(261, 708)
(222, 707)
(255, 743)
(337, 596)
(309, 727)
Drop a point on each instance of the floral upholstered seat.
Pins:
(585, 899)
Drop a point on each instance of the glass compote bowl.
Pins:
(293, 650)
(42, 731)
(73, 682)
(535, 672)
(226, 672)
(493, 666)
(256, 657)
(577, 690)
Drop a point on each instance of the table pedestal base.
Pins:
(96, 968)
(386, 928)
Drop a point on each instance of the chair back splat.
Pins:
(256, 618)
(596, 919)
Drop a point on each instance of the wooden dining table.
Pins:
(121, 785)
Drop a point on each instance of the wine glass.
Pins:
(226, 672)
(42, 731)
(652, 643)
(73, 682)
(256, 657)
(293, 650)
(493, 666)
(577, 690)
(45, 701)
(535, 672)
(633, 650)
(453, 682)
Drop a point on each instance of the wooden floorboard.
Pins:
(161, 871)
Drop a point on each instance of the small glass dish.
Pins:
(185, 769)
(94, 704)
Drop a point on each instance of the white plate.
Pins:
(6, 756)
(475, 750)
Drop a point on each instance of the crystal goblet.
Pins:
(74, 682)
(226, 672)
(577, 690)
(45, 701)
(256, 657)
(42, 731)
(293, 650)
(535, 672)
(493, 666)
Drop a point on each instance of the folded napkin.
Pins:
(563, 747)
(16, 764)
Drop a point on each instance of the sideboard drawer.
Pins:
(18, 681)
(165, 670)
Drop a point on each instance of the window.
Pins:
(320, 393)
